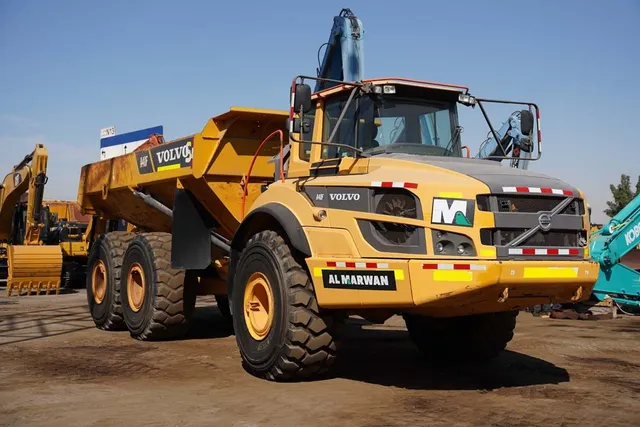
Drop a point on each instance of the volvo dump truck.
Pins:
(297, 219)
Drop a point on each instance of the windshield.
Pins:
(392, 123)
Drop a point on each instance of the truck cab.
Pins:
(391, 115)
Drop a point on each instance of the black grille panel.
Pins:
(517, 214)
(552, 238)
(527, 203)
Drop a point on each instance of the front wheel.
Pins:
(279, 330)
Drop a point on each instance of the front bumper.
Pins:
(442, 287)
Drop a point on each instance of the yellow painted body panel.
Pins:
(34, 268)
(74, 249)
(461, 292)
(448, 182)
(68, 209)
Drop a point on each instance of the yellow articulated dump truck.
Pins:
(295, 236)
(68, 228)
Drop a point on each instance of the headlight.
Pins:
(449, 243)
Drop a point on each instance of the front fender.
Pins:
(265, 217)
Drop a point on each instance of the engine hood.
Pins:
(493, 174)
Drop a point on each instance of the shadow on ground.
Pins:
(387, 357)
(209, 323)
(376, 355)
(42, 323)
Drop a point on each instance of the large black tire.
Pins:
(108, 251)
(169, 296)
(299, 344)
(478, 337)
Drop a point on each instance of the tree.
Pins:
(622, 195)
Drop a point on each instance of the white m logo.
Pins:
(455, 214)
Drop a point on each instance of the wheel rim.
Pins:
(135, 287)
(258, 306)
(99, 281)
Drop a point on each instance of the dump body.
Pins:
(210, 164)
(67, 210)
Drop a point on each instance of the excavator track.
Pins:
(34, 268)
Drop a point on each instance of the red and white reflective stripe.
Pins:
(538, 190)
(544, 251)
(472, 267)
(357, 264)
(394, 184)
(539, 129)
(291, 107)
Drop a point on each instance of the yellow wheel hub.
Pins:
(135, 287)
(258, 306)
(99, 281)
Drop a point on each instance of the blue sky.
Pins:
(69, 68)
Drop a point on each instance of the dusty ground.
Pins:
(57, 370)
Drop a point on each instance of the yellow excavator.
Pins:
(32, 265)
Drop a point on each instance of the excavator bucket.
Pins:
(34, 268)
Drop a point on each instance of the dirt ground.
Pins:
(56, 369)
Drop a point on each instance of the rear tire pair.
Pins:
(131, 285)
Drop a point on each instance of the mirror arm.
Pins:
(493, 131)
(342, 114)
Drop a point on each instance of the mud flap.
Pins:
(191, 233)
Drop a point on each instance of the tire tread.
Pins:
(174, 300)
(115, 243)
(309, 347)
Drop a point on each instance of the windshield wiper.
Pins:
(454, 137)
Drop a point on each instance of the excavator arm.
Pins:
(29, 176)
(609, 245)
(31, 265)
(515, 136)
(344, 55)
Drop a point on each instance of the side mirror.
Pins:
(302, 98)
(526, 122)
(299, 126)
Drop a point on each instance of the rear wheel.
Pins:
(279, 330)
(158, 301)
(103, 279)
(476, 337)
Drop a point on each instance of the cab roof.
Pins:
(395, 81)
